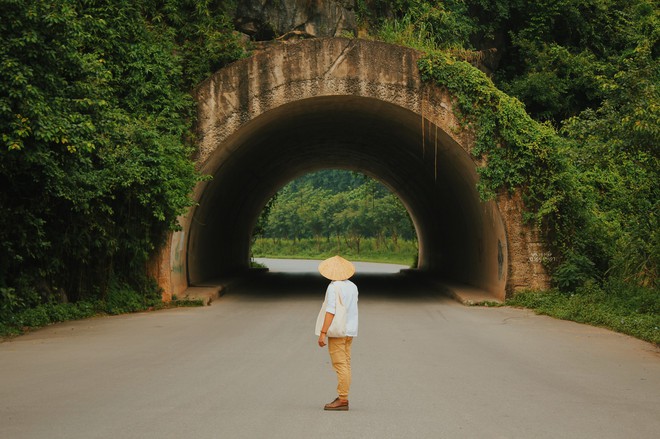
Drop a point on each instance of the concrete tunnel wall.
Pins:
(350, 104)
(362, 134)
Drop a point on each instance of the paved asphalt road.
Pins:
(308, 266)
(248, 367)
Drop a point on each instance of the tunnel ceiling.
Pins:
(377, 138)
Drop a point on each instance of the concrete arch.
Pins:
(352, 104)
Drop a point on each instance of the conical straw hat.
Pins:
(336, 268)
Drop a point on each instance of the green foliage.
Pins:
(336, 206)
(619, 306)
(574, 271)
(520, 153)
(120, 298)
(96, 122)
(421, 24)
(561, 53)
(554, 55)
(9, 301)
(334, 181)
(186, 302)
(616, 155)
(580, 204)
(404, 252)
(559, 83)
(202, 30)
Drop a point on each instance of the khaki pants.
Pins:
(340, 354)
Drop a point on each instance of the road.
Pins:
(309, 266)
(248, 366)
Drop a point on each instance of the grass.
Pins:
(403, 253)
(23, 321)
(624, 308)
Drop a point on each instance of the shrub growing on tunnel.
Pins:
(521, 154)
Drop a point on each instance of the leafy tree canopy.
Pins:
(336, 204)
(96, 117)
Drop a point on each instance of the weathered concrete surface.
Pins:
(350, 104)
(248, 367)
(206, 294)
(528, 249)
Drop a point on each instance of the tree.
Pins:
(95, 111)
(340, 204)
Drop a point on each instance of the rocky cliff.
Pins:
(269, 19)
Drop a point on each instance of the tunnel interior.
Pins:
(460, 237)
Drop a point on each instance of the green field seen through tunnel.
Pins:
(336, 212)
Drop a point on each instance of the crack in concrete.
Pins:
(340, 59)
(513, 318)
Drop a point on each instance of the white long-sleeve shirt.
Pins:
(349, 297)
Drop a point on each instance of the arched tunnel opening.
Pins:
(335, 212)
(461, 239)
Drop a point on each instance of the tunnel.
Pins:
(351, 104)
(433, 177)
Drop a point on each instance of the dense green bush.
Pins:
(420, 24)
(96, 119)
(616, 305)
(121, 298)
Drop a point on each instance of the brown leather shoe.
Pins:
(337, 405)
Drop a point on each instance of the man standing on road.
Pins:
(339, 270)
